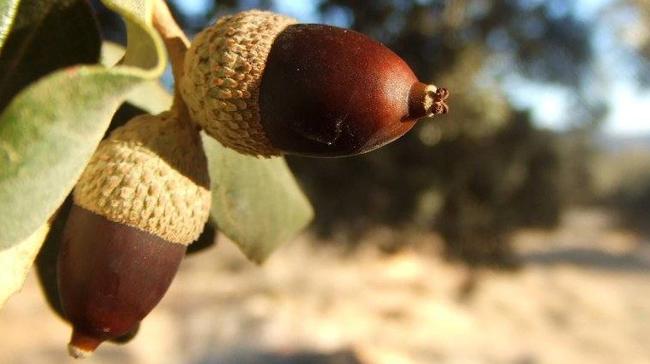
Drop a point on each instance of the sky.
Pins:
(629, 112)
(629, 104)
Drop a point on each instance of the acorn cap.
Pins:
(222, 76)
(150, 174)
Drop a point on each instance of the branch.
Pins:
(176, 43)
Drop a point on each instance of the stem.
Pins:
(177, 45)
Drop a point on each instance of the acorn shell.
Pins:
(222, 74)
(333, 92)
(111, 275)
(150, 174)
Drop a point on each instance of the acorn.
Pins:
(264, 85)
(143, 197)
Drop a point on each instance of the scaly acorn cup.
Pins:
(264, 85)
(141, 200)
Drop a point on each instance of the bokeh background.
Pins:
(512, 230)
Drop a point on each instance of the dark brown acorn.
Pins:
(264, 85)
(140, 201)
(46, 266)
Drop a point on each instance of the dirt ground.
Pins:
(582, 297)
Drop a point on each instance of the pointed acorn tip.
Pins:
(427, 100)
(78, 353)
(435, 100)
(82, 346)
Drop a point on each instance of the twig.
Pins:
(177, 44)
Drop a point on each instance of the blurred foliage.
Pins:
(622, 180)
(485, 168)
(632, 21)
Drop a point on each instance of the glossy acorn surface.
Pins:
(46, 267)
(328, 91)
(111, 276)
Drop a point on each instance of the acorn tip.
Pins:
(436, 100)
(82, 346)
(427, 101)
(79, 353)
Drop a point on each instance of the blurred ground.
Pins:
(582, 297)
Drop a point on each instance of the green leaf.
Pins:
(111, 53)
(255, 202)
(49, 132)
(16, 261)
(50, 129)
(8, 10)
(46, 35)
(144, 47)
(150, 96)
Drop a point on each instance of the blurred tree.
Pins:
(630, 19)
